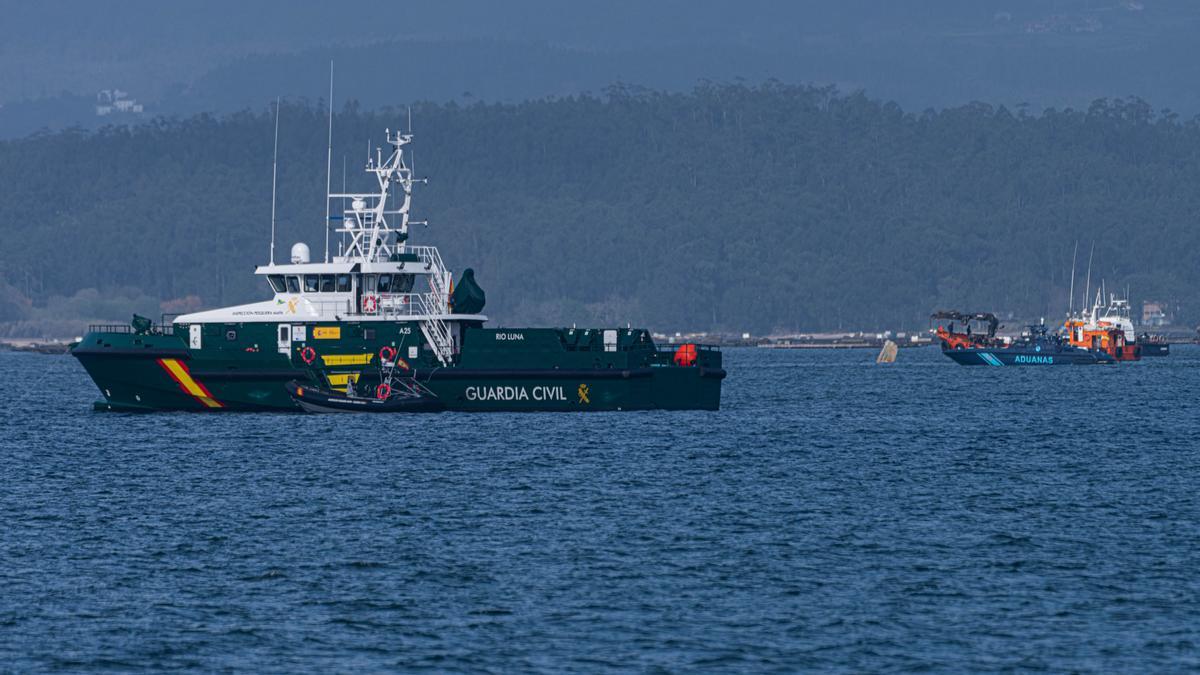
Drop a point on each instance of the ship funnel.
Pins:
(299, 253)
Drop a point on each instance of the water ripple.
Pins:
(834, 515)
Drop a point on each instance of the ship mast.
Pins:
(328, 160)
(1071, 294)
(1087, 289)
(274, 174)
(372, 237)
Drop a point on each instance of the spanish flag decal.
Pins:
(180, 374)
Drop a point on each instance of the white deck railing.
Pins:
(381, 305)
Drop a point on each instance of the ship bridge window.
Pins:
(312, 283)
(368, 283)
(293, 284)
(276, 281)
(385, 283)
(326, 283)
(343, 283)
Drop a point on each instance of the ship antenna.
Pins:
(329, 160)
(1087, 289)
(274, 174)
(1071, 298)
(342, 243)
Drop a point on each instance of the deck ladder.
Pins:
(435, 304)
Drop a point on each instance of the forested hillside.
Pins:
(730, 208)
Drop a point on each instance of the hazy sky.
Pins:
(223, 55)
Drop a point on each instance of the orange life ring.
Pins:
(370, 304)
(308, 355)
(383, 391)
(387, 353)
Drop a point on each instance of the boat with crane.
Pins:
(975, 343)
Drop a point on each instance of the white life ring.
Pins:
(370, 304)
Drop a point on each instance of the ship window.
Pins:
(368, 333)
(343, 283)
(231, 335)
(369, 280)
(276, 281)
(293, 284)
(326, 283)
(312, 283)
(385, 283)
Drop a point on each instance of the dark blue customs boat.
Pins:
(1035, 347)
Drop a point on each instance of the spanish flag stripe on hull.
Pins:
(180, 374)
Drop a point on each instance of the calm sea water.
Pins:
(834, 515)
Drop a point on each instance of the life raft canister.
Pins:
(308, 355)
(387, 353)
(370, 304)
(383, 391)
(685, 355)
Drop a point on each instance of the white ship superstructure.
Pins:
(375, 274)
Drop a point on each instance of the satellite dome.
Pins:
(299, 253)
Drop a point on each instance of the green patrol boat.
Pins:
(384, 320)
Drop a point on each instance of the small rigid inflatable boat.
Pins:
(315, 400)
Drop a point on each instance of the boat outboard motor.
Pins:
(468, 297)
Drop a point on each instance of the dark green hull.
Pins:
(243, 367)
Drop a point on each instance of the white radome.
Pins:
(299, 253)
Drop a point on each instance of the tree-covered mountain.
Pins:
(730, 207)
